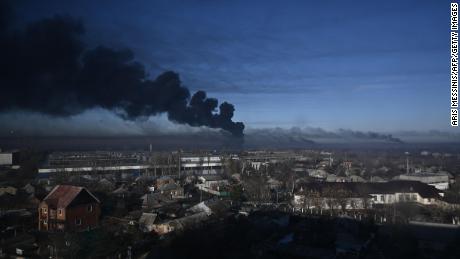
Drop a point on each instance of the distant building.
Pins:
(163, 180)
(351, 178)
(354, 195)
(155, 200)
(200, 213)
(9, 158)
(355, 178)
(257, 165)
(347, 164)
(317, 173)
(126, 164)
(377, 179)
(213, 181)
(438, 180)
(201, 165)
(146, 222)
(180, 224)
(213, 184)
(68, 208)
(335, 178)
(122, 164)
(8, 190)
(425, 153)
(173, 190)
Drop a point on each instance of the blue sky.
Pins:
(361, 65)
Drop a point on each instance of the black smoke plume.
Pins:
(46, 68)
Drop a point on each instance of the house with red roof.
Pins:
(69, 208)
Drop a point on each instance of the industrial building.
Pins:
(438, 180)
(9, 158)
(126, 164)
(201, 165)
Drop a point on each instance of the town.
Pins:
(248, 204)
(229, 129)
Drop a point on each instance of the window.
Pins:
(78, 222)
(406, 197)
(381, 198)
(60, 212)
(44, 210)
(90, 208)
(45, 221)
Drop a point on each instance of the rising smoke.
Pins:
(46, 68)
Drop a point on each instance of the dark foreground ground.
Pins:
(278, 235)
(262, 234)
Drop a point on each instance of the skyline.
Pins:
(334, 66)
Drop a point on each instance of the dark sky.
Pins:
(361, 65)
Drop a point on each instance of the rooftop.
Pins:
(358, 189)
(63, 195)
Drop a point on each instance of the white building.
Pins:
(201, 164)
(317, 173)
(213, 181)
(354, 195)
(9, 158)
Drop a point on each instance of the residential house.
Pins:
(163, 180)
(201, 212)
(8, 190)
(155, 200)
(171, 189)
(213, 181)
(68, 208)
(146, 222)
(317, 173)
(180, 224)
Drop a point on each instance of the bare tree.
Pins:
(329, 194)
(256, 188)
(342, 197)
(312, 200)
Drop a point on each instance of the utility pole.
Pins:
(129, 252)
(330, 159)
(407, 162)
(179, 162)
